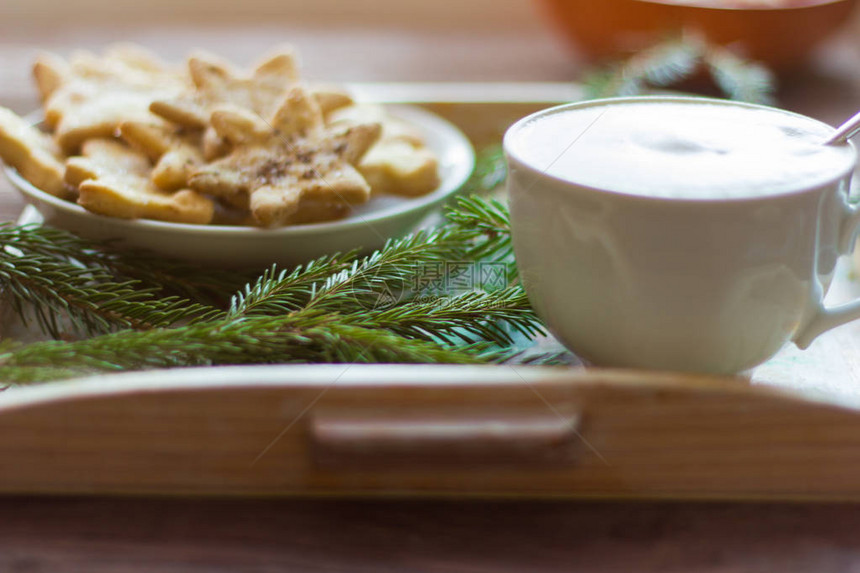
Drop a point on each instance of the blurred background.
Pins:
(397, 40)
(367, 40)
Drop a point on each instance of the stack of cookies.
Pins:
(126, 135)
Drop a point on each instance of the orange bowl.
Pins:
(780, 36)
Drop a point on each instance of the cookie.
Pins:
(50, 72)
(176, 151)
(32, 153)
(102, 158)
(93, 95)
(293, 160)
(398, 167)
(114, 180)
(217, 83)
(399, 163)
(136, 58)
(256, 146)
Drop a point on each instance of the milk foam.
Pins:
(683, 149)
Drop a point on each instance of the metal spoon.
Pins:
(845, 131)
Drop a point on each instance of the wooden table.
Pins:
(183, 535)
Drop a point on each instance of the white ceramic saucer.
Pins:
(368, 227)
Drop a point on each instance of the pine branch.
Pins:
(490, 172)
(325, 311)
(25, 375)
(278, 292)
(90, 298)
(480, 216)
(669, 63)
(662, 65)
(343, 283)
(71, 286)
(681, 58)
(487, 226)
(393, 269)
(397, 270)
(260, 340)
(738, 79)
(176, 278)
(373, 345)
(468, 317)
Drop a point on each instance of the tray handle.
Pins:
(348, 438)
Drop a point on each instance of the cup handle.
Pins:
(824, 318)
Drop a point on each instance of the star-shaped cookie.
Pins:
(113, 179)
(50, 71)
(400, 162)
(217, 82)
(89, 96)
(294, 169)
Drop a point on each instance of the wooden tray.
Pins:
(788, 430)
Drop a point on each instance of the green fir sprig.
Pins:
(151, 271)
(679, 58)
(339, 308)
(738, 79)
(487, 224)
(390, 270)
(468, 317)
(280, 290)
(489, 173)
(259, 340)
(61, 283)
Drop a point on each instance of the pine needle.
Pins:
(662, 65)
(490, 172)
(260, 340)
(66, 297)
(738, 79)
(468, 317)
(392, 270)
(281, 291)
(487, 226)
(677, 59)
(175, 277)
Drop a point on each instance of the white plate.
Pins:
(368, 227)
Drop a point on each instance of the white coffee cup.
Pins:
(718, 273)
